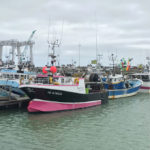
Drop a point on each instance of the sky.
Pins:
(83, 28)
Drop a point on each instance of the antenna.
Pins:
(62, 28)
(61, 37)
(99, 57)
(48, 51)
(79, 53)
(48, 30)
(96, 37)
(55, 42)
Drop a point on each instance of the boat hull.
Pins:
(51, 106)
(126, 92)
(6, 84)
(145, 88)
(4, 94)
(49, 100)
(122, 93)
(145, 77)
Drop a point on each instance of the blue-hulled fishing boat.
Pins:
(118, 86)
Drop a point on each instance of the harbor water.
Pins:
(122, 124)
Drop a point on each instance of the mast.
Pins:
(96, 45)
(52, 55)
(113, 59)
(56, 42)
(96, 39)
(79, 53)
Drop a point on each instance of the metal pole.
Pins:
(13, 54)
(79, 54)
(19, 54)
(1, 52)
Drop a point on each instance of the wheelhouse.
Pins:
(14, 76)
(143, 76)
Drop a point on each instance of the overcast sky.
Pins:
(120, 27)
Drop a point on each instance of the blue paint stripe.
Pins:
(123, 92)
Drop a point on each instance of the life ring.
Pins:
(76, 81)
(21, 80)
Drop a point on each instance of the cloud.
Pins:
(121, 26)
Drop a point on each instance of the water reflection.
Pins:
(120, 124)
(63, 115)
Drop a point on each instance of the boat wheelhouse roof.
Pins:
(11, 71)
(116, 76)
(142, 74)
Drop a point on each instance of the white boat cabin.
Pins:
(143, 76)
(115, 79)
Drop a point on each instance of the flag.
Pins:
(94, 62)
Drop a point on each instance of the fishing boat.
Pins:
(145, 77)
(6, 94)
(49, 93)
(13, 78)
(12, 74)
(60, 93)
(3, 94)
(118, 86)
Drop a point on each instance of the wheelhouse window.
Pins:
(22, 76)
(11, 76)
(16, 76)
(62, 80)
(25, 77)
(145, 78)
(7, 76)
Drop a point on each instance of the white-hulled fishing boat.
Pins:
(145, 77)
